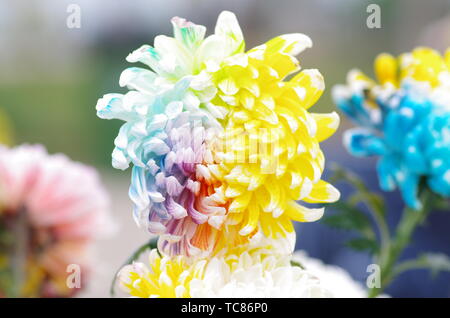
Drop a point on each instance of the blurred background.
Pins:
(51, 77)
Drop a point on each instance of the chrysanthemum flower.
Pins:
(52, 208)
(202, 95)
(405, 120)
(251, 273)
(334, 278)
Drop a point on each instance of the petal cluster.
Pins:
(221, 140)
(404, 119)
(270, 155)
(334, 278)
(252, 273)
(168, 144)
(223, 146)
(54, 218)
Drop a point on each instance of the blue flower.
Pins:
(407, 127)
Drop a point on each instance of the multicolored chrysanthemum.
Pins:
(221, 141)
(47, 220)
(404, 119)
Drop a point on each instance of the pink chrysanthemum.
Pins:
(51, 209)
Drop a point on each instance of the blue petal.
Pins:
(409, 185)
(139, 79)
(387, 167)
(413, 152)
(138, 194)
(439, 159)
(441, 183)
(110, 106)
(362, 142)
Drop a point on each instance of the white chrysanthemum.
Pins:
(334, 278)
(256, 276)
(259, 270)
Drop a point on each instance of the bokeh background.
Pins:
(51, 77)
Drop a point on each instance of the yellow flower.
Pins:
(422, 64)
(168, 277)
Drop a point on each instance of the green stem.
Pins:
(407, 266)
(411, 219)
(385, 236)
(19, 252)
(373, 203)
(151, 244)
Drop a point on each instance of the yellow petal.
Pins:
(228, 86)
(326, 125)
(309, 87)
(300, 213)
(252, 217)
(265, 113)
(292, 44)
(386, 69)
(234, 218)
(240, 203)
(423, 64)
(234, 191)
(283, 64)
(322, 192)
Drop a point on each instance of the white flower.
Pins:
(334, 278)
(252, 273)
(256, 276)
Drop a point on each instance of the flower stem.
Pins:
(19, 252)
(410, 220)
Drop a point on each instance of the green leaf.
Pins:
(441, 204)
(350, 217)
(363, 244)
(371, 200)
(374, 201)
(298, 264)
(436, 262)
(338, 221)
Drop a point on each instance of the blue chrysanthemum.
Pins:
(408, 127)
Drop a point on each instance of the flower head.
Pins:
(54, 218)
(203, 95)
(405, 120)
(251, 273)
